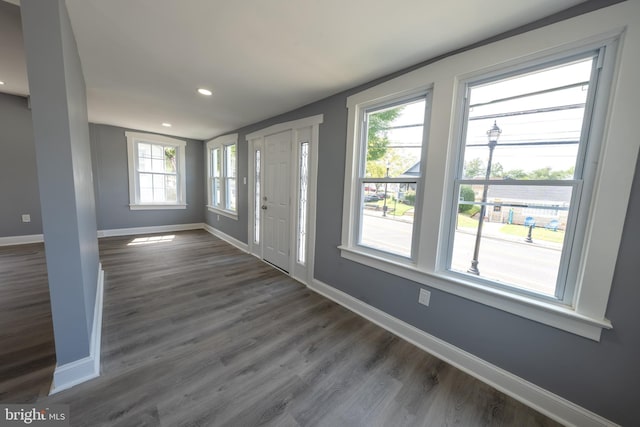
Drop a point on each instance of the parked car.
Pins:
(372, 198)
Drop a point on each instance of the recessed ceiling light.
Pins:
(1, 82)
(206, 92)
(167, 125)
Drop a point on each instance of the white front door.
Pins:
(276, 199)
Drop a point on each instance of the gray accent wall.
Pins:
(63, 157)
(18, 177)
(600, 376)
(110, 168)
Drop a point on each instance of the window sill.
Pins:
(223, 212)
(151, 207)
(557, 316)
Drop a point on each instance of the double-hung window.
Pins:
(221, 175)
(390, 147)
(521, 177)
(390, 175)
(504, 208)
(156, 171)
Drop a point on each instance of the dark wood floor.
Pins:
(197, 333)
(27, 353)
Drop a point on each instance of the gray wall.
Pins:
(18, 177)
(85, 202)
(19, 182)
(110, 167)
(63, 158)
(601, 376)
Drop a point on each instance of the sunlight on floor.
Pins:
(151, 239)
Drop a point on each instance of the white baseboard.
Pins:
(87, 368)
(231, 240)
(149, 230)
(21, 240)
(544, 401)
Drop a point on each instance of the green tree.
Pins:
(376, 169)
(466, 194)
(497, 170)
(377, 138)
(474, 168)
(515, 174)
(170, 158)
(548, 173)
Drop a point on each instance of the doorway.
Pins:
(283, 163)
(276, 199)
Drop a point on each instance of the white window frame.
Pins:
(588, 152)
(359, 172)
(133, 139)
(222, 143)
(612, 177)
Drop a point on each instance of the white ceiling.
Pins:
(144, 60)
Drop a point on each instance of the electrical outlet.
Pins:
(26, 218)
(245, 180)
(218, 218)
(425, 297)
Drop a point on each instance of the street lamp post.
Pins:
(529, 239)
(492, 134)
(384, 204)
(529, 222)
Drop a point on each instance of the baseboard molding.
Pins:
(87, 368)
(231, 240)
(21, 240)
(542, 400)
(149, 230)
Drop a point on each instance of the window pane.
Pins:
(157, 165)
(144, 157)
(169, 159)
(215, 162)
(506, 255)
(302, 203)
(157, 151)
(387, 222)
(540, 116)
(146, 180)
(171, 189)
(230, 160)
(216, 192)
(146, 187)
(159, 188)
(394, 140)
(535, 81)
(258, 205)
(144, 164)
(144, 150)
(230, 190)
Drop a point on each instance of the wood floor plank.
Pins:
(198, 333)
(27, 350)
